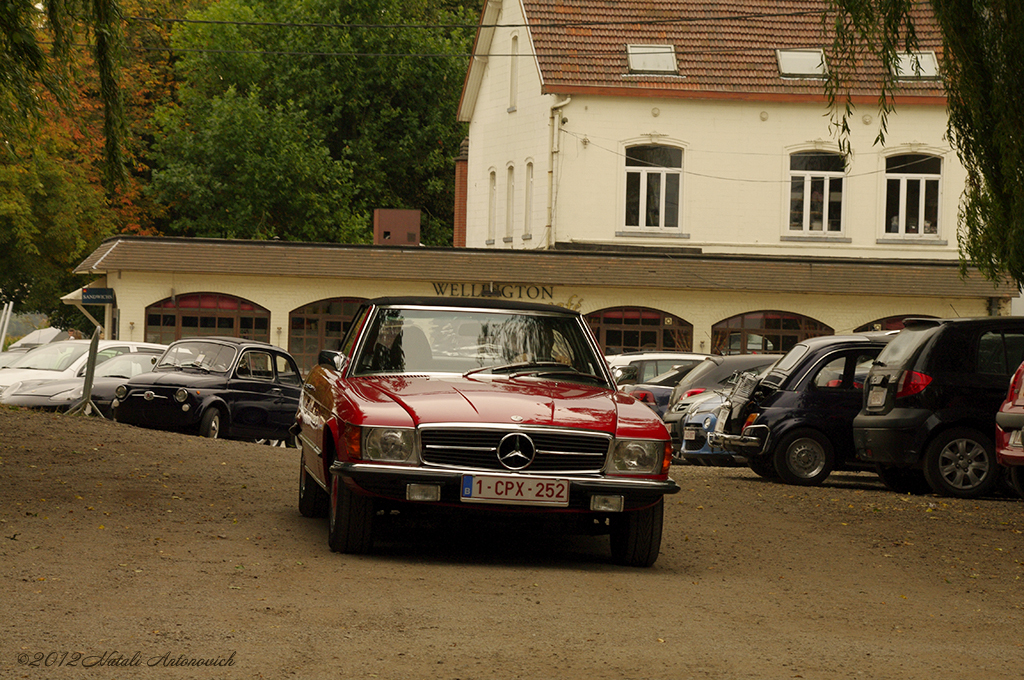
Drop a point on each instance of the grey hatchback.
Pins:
(930, 402)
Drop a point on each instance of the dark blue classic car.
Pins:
(796, 422)
(215, 387)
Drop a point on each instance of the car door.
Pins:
(288, 388)
(835, 393)
(253, 396)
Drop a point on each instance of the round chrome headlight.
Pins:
(391, 445)
(180, 395)
(121, 392)
(640, 456)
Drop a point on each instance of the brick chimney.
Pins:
(396, 227)
(461, 184)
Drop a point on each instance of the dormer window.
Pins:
(809, 63)
(917, 66)
(651, 59)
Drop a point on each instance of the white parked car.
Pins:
(61, 360)
(630, 368)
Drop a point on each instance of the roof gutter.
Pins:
(555, 127)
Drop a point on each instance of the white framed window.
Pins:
(513, 73)
(654, 179)
(510, 205)
(816, 182)
(917, 66)
(912, 186)
(802, 63)
(492, 206)
(528, 201)
(651, 58)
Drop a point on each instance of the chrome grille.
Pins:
(477, 449)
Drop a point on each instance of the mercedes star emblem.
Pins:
(516, 451)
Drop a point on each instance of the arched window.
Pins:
(510, 205)
(630, 329)
(912, 195)
(199, 314)
(492, 205)
(513, 73)
(319, 325)
(816, 192)
(889, 323)
(764, 332)
(654, 177)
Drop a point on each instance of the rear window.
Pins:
(697, 374)
(901, 348)
(794, 355)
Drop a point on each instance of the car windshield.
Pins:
(124, 366)
(53, 357)
(204, 355)
(470, 341)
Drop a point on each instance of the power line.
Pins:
(750, 16)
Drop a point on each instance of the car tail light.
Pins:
(689, 393)
(644, 396)
(1016, 384)
(912, 382)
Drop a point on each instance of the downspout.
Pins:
(555, 126)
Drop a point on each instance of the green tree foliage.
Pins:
(51, 214)
(984, 82)
(373, 76)
(234, 168)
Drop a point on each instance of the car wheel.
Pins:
(313, 499)
(209, 427)
(903, 480)
(762, 466)
(350, 518)
(804, 458)
(636, 535)
(1017, 479)
(961, 463)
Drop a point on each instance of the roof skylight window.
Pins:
(917, 66)
(651, 58)
(805, 63)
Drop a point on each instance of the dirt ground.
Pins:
(128, 553)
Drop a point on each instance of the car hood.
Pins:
(185, 378)
(501, 400)
(9, 376)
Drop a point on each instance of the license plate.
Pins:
(689, 434)
(514, 490)
(876, 397)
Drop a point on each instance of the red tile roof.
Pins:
(724, 48)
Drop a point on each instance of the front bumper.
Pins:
(750, 442)
(391, 482)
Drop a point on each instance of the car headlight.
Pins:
(121, 392)
(638, 456)
(389, 444)
(67, 395)
(180, 395)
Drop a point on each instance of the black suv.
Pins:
(930, 403)
(795, 422)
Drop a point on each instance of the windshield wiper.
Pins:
(506, 368)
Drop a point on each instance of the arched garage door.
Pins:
(631, 329)
(198, 314)
(319, 325)
(765, 331)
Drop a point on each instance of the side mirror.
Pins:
(333, 360)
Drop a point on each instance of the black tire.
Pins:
(209, 427)
(1017, 478)
(350, 520)
(762, 466)
(804, 458)
(313, 499)
(961, 462)
(903, 480)
(636, 535)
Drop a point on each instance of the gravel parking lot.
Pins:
(129, 553)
